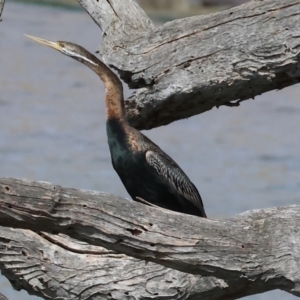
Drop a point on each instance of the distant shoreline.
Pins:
(161, 15)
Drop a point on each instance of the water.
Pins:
(52, 127)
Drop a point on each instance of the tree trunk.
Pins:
(169, 254)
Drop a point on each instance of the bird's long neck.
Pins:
(114, 98)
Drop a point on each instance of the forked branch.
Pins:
(188, 66)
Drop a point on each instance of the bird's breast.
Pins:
(122, 144)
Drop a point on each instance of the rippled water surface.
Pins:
(52, 127)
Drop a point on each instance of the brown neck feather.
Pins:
(114, 98)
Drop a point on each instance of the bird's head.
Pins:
(75, 51)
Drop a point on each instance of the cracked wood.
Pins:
(255, 248)
(188, 66)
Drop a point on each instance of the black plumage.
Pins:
(149, 173)
(146, 171)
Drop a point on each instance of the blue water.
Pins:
(52, 127)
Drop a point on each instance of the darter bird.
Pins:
(147, 172)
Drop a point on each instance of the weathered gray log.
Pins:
(1, 9)
(58, 266)
(254, 252)
(188, 66)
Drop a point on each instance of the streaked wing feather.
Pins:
(166, 167)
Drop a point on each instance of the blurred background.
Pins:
(52, 121)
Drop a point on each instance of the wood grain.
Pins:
(188, 66)
(256, 250)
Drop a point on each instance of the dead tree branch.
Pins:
(1, 8)
(188, 66)
(256, 251)
(54, 266)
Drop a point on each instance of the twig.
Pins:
(1, 9)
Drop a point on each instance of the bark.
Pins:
(253, 252)
(188, 66)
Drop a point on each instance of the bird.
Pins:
(147, 172)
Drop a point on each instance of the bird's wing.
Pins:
(167, 168)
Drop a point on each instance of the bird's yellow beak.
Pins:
(53, 45)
